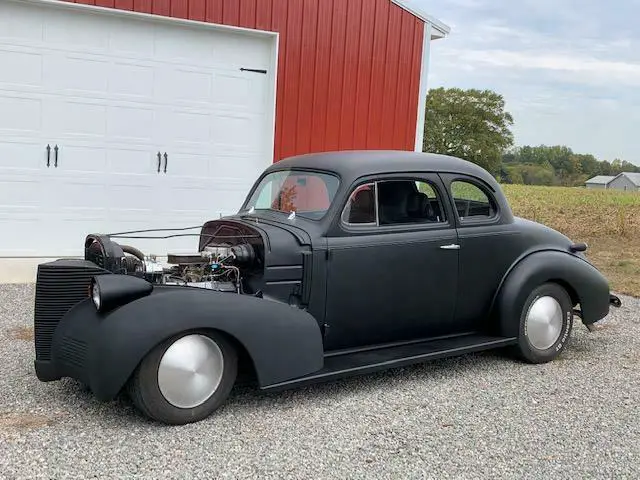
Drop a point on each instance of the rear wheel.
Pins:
(185, 379)
(546, 321)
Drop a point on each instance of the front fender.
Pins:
(584, 283)
(283, 342)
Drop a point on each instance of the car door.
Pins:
(392, 267)
(489, 244)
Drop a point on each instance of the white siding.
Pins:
(115, 93)
(623, 183)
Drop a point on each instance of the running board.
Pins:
(368, 361)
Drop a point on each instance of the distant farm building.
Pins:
(624, 181)
(600, 181)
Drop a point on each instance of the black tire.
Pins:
(144, 390)
(525, 349)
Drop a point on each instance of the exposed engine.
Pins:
(215, 267)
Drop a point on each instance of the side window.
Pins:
(408, 202)
(398, 202)
(361, 206)
(471, 201)
(437, 212)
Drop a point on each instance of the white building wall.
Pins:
(623, 183)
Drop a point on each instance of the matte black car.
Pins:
(336, 264)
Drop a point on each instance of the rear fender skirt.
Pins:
(589, 285)
(283, 342)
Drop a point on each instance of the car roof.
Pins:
(352, 164)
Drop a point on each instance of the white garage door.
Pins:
(113, 122)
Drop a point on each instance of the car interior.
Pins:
(473, 208)
(402, 202)
(399, 202)
(362, 207)
(471, 201)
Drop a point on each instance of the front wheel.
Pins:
(546, 321)
(185, 379)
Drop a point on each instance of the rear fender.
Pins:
(586, 285)
(283, 342)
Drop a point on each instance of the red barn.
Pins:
(128, 114)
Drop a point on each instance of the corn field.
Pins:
(578, 212)
(608, 220)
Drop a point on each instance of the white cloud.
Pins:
(584, 69)
(569, 71)
(467, 3)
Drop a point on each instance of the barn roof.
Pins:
(600, 179)
(634, 177)
(438, 28)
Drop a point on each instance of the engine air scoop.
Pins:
(185, 258)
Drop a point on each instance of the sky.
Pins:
(569, 70)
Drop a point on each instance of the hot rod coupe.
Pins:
(336, 264)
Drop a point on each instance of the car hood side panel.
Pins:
(280, 248)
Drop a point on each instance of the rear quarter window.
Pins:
(471, 201)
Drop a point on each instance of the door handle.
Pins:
(254, 70)
(453, 246)
(48, 155)
(166, 160)
(159, 161)
(55, 161)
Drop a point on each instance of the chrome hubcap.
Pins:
(544, 322)
(190, 371)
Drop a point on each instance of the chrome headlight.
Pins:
(110, 291)
(95, 294)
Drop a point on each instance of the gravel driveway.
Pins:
(478, 416)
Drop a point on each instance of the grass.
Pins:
(607, 220)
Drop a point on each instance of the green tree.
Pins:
(616, 167)
(531, 174)
(470, 124)
(630, 167)
(565, 167)
(589, 165)
(513, 174)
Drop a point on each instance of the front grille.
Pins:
(59, 286)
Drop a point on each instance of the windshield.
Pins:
(308, 194)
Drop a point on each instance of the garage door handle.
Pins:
(55, 161)
(48, 156)
(159, 161)
(254, 70)
(166, 160)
